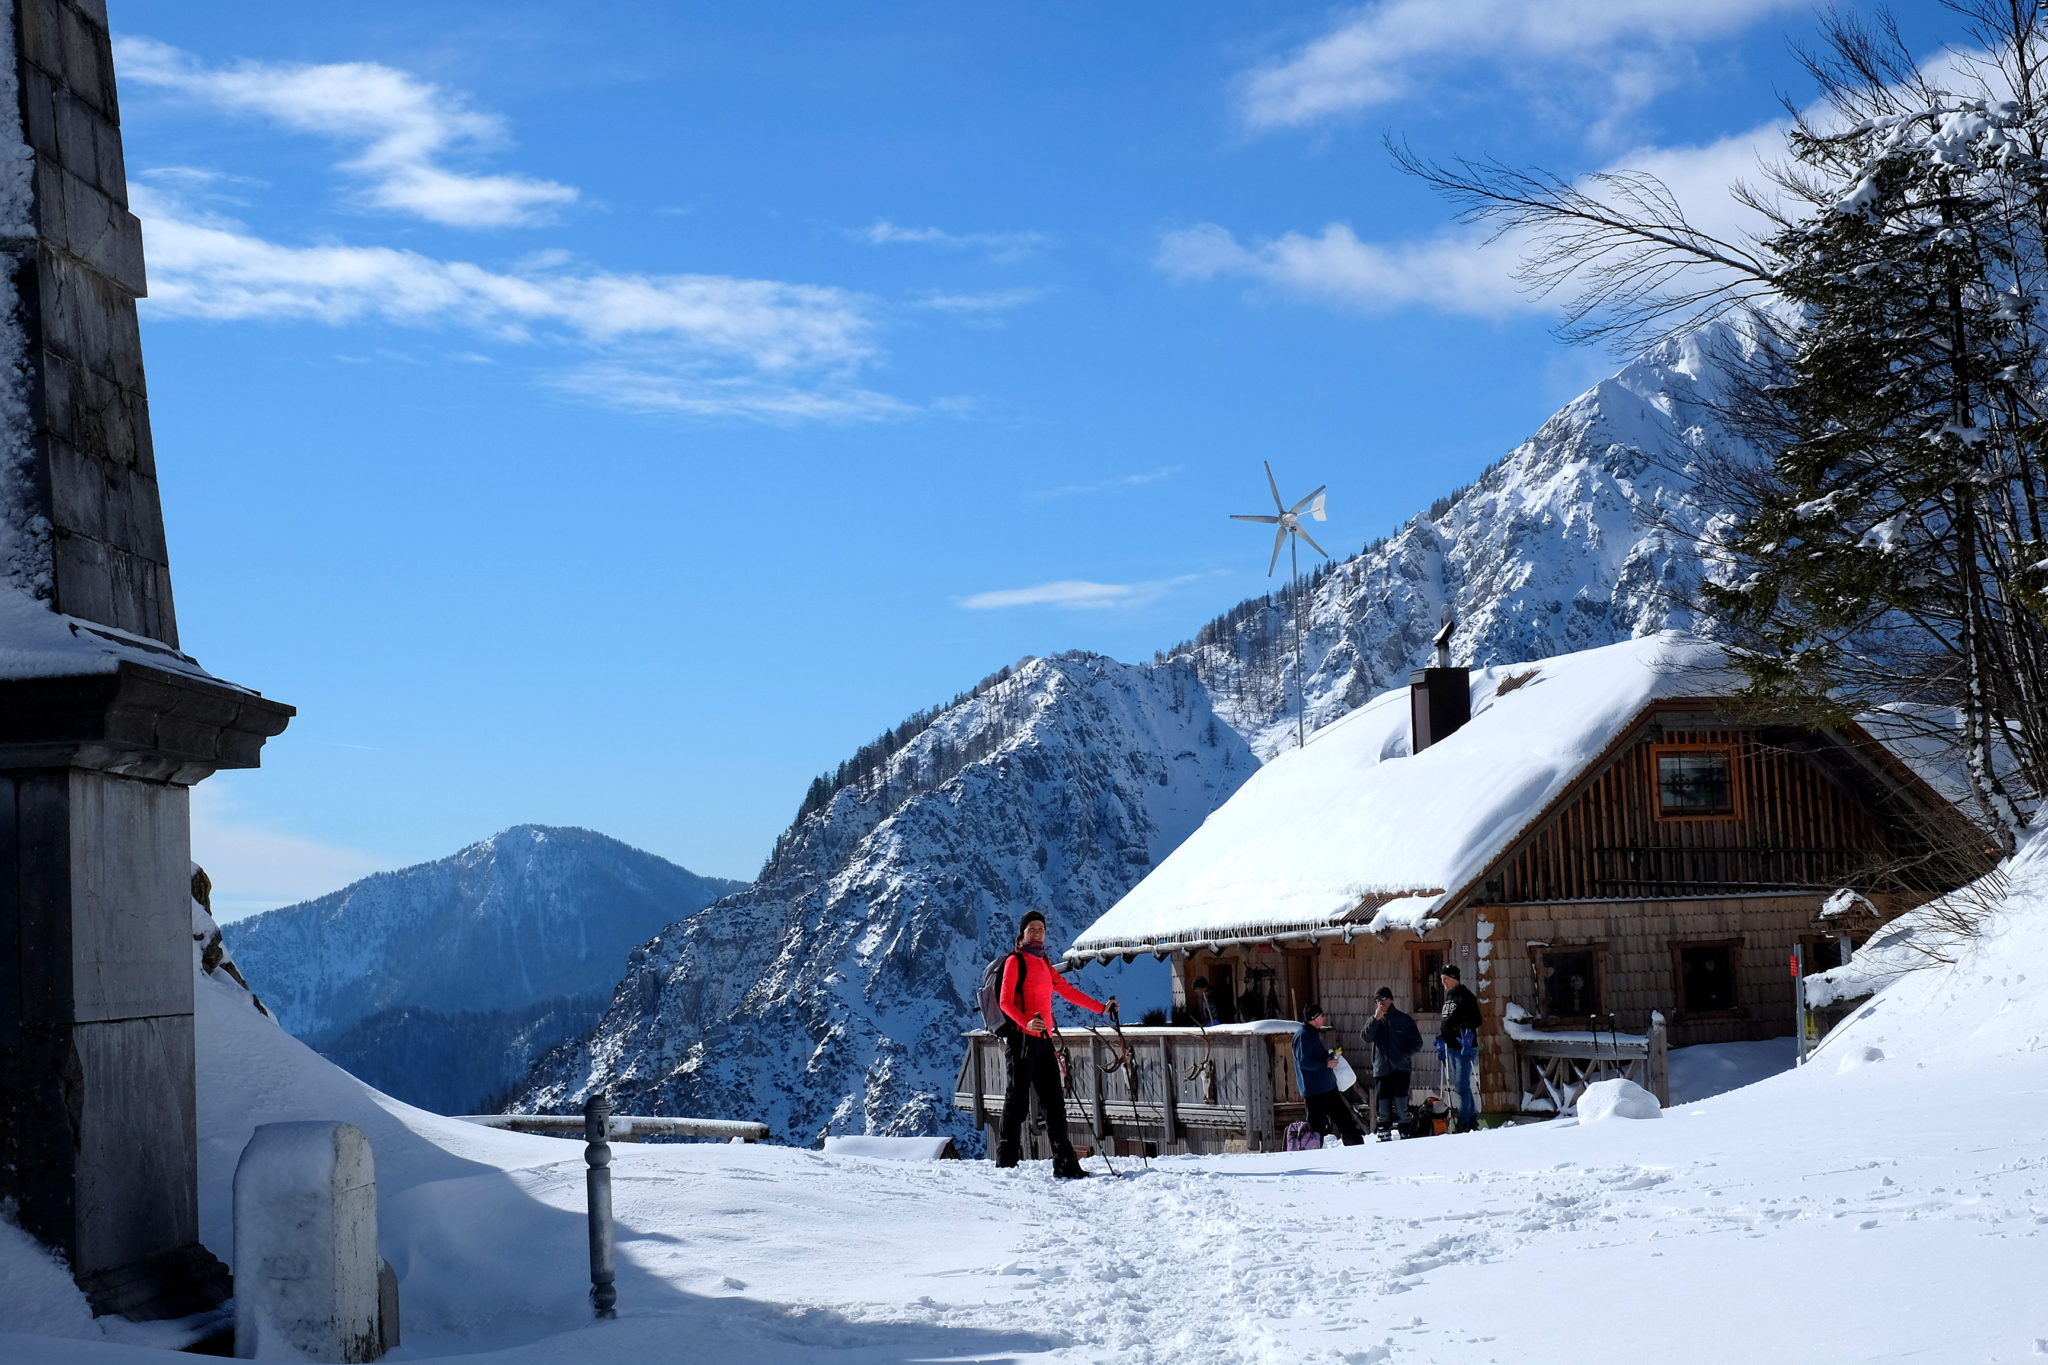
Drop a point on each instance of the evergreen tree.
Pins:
(1891, 546)
(1898, 534)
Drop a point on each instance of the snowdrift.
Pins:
(1908, 1162)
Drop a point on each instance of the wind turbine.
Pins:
(1290, 532)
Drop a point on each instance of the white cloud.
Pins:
(406, 130)
(255, 868)
(1075, 593)
(1071, 490)
(993, 301)
(653, 389)
(1626, 51)
(203, 266)
(1456, 270)
(1001, 246)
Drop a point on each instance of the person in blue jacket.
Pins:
(1314, 1066)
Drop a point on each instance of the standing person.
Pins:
(1457, 1043)
(1313, 1069)
(1029, 980)
(1395, 1041)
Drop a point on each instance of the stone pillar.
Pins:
(104, 724)
(306, 1269)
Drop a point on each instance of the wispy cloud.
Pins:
(695, 394)
(1455, 270)
(1077, 594)
(256, 867)
(1075, 490)
(208, 267)
(404, 130)
(690, 344)
(1000, 246)
(1619, 53)
(993, 301)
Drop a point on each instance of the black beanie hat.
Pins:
(1450, 969)
(1029, 915)
(1383, 993)
(1311, 1013)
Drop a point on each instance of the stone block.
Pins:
(38, 115)
(41, 34)
(137, 1200)
(77, 144)
(103, 235)
(112, 174)
(86, 61)
(60, 382)
(83, 580)
(130, 857)
(47, 183)
(306, 1266)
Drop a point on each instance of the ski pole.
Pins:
(1131, 1062)
(1101, 1070)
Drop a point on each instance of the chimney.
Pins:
(1439, 698)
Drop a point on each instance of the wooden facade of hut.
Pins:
(1614, 858)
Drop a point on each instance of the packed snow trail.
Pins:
(1887, 1202)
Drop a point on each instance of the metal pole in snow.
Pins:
(597, 1150)
(1799, 1012)
(1300, 688)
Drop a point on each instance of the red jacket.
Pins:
(1040, 981)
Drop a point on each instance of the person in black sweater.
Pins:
(1395, 1041)
(1457, 1044)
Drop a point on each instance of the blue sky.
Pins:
(615, 417)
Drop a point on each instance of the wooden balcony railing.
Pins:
(1187, 1088)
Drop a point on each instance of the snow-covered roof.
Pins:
(1353, 829)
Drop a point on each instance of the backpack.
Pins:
(1302, 1138)
(992, 1017)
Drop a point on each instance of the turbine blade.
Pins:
(1277, 504)
(1312, 542)
(1317, 511)
(1279, 539)
(1309, 499)
(1243, 516)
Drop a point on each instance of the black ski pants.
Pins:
(1329, 1113)
(1034, 1066)
(1391, 1098)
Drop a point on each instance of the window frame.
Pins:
(1431, 1001)
(1734, 945)
(1538, 953)
(1729, 752)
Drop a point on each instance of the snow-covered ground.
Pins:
(1887, 1202)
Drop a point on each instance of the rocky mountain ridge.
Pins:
(830, 995)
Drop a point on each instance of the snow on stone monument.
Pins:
(104, 723)
(306, 1245)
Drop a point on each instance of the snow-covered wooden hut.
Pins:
(1600, 841)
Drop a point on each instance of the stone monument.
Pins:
(104, 723)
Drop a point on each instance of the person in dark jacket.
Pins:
(1395, 1041)
(1314, 1064)
(1029, 981)
(1457, 1044)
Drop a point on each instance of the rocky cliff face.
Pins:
(831, 994)
(1585, 534)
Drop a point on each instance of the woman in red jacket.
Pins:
(1029, 981)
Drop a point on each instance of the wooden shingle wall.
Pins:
(1794, 828)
